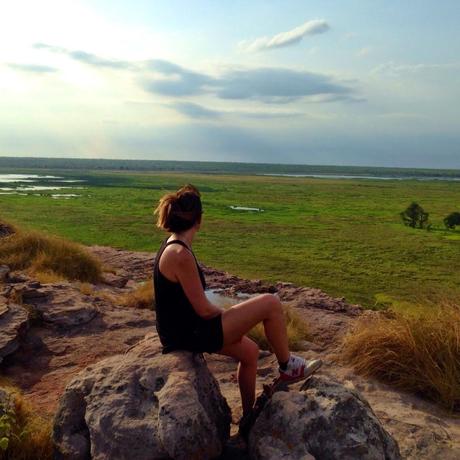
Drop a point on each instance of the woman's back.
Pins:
(176, 319)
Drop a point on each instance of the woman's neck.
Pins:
(186, 237)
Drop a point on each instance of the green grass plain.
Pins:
(343, 236)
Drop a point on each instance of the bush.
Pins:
(24, 434)
(452, 220)
(141, 297)
(415, 216)
(297, 331)
(49, 256)
(418, 352)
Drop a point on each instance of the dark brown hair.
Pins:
(179, 211)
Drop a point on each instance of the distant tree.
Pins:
(415, 216)
(452, 220)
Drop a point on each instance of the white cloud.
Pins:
(291, 37)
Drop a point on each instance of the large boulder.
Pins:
(13, 325)
(323, 421)
(143, 405)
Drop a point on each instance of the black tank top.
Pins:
(176, 318)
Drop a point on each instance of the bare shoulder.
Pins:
(175, 261)
(177, 254)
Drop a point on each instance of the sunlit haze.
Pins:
(314, 82)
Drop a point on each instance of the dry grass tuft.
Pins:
(297, 331)
(416, 351)
(141, 297)
(50, 256)
(30, 437)
(47, 276)
(86, 288)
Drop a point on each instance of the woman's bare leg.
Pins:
(241, 318)
(247, 353)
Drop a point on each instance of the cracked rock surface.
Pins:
(143, 405)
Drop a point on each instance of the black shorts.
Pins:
(208, 336)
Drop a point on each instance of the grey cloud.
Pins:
(270, 115)
(195, 110)
(87, 58)
(291, 37)
(276, 85)
(178, 82)
(33, 68)
(270, 85)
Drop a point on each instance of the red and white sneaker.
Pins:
(299, 369)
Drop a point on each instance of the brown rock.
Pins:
(62, 305)
(4, 273)
(13, 325)
(326, 420)
(143, 405)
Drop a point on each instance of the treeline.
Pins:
(213, 167)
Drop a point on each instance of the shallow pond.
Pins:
(21, 184)
(244, 208)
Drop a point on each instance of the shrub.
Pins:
(25, 435)
(297, 330)
(417, 352)
(50, 256)
(452, 220)
(141, 297)
(415, 216)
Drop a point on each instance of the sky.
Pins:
(345, 82)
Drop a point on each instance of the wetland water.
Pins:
(353, 176)
(29, 184)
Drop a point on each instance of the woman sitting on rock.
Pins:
(187, 320)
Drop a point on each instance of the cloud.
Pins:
(196, 111)
(32, 68)
(276, 85)
(283, 39)
(266, 84)
(175, 80)
(87, 58)
(392, 69)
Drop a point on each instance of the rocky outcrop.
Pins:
(124, 265)
(325, 420)
(13, 324)
(61, 304)
(143, 405)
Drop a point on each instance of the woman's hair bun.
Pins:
(179, 211)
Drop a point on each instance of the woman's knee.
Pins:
(272, 302)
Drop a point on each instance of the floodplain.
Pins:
(344, 236)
